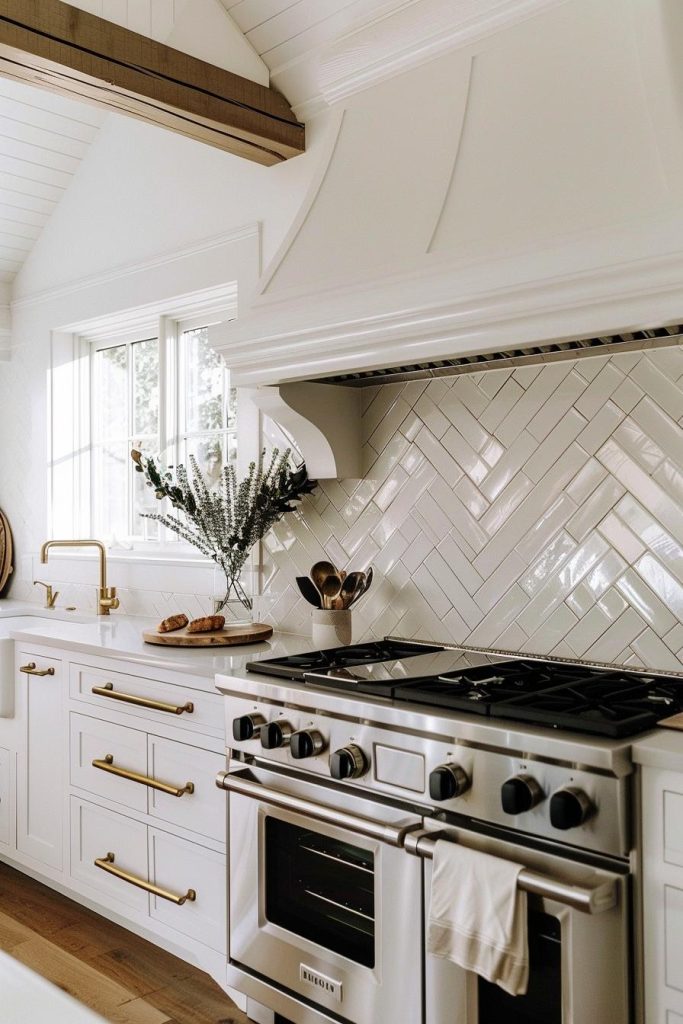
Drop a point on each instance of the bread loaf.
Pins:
(207, 624)
(172, 623)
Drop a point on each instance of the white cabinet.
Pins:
(97, 832)
(40, 783)
(662, 842)
(5, 797)
(179, 866)
(165, 778)
(109, 774)
(122, 859)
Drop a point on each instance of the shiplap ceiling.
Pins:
(283, 30)
(43, 139)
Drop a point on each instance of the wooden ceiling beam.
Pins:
(60, 47)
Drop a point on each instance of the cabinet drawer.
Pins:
(96, 832)
(95, 740)
(4, 796)
(178, 865)
(203, 810)
(150, 699)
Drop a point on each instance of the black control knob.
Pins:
(348, 763)
(520, 794)
(569, 808)
(448, 781)
(247, 727)
(275, 734)
(306, 743)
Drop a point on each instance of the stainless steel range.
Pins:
(349, 764)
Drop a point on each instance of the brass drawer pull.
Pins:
(143, 702)
(31, 670)
(107, 765)
(107, 864)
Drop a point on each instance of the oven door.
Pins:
(579, 961)
(324, 903)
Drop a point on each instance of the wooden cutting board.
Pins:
(229, 636)
(5, 551)
(674, 722)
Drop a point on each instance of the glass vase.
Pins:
(232, 596)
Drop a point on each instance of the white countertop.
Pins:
(29, 999)
(662, 748)
(120, 636)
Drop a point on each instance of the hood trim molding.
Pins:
(619, 298)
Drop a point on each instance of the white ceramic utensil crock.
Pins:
(331, 628)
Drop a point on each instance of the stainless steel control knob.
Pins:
(306, 743)
(569, 808)
(348, 763)
(247, 727)
(448, 781)
(276, 734)
(520, 794)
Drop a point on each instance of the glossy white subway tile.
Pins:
(658, 386)
(641, 597)
(599, 390)
(600, 427)
(595, 508)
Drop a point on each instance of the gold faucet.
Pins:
(50, 594)
(106, 596)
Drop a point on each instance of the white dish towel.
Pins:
(478, 916)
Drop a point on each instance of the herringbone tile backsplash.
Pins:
(537, 509)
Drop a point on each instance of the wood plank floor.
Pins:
(123, 977)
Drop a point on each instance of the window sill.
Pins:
(182, 560)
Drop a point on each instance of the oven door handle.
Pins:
(239, 782)
(589, 900)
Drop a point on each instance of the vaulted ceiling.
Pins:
(43, 139)
(282, 31)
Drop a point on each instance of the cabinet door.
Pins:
(5, 814)
(97, 833)
(94, 740)
(205, 809)
(40, 785)
(177, 865)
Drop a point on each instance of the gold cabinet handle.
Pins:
(107, 864)
(143, 702)
(31, 670)
(106, 764)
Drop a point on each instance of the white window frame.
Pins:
(70, 500)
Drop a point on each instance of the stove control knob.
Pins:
(306, 743)
(520, 794)
(448, 781)
(348, 763)
(247, 727)
(569, 808)
(275, 734)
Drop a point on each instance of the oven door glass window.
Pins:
(542, 1003)
(322, 889)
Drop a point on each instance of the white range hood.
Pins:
(524, 187)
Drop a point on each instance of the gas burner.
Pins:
(618, 704)
(294, 666)
(559, 695)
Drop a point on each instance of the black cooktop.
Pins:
(294, 666)
(604, 702)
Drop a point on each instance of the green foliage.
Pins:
(225, 523)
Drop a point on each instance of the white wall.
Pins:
(149, 216)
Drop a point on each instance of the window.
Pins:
(167, 395)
